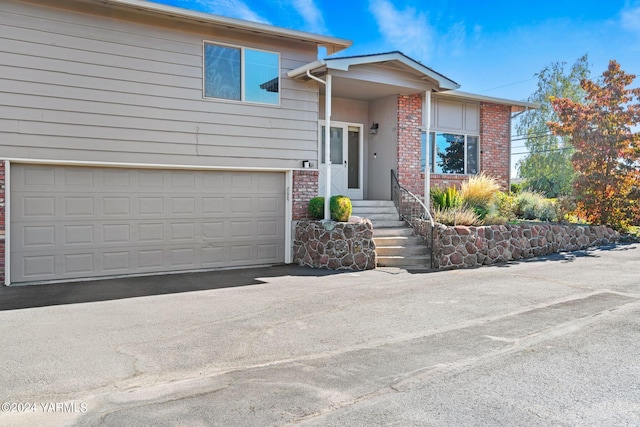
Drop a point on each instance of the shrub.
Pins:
(316, 208)
(494, 219)
(565, 207)
(530, 205)
(516, 188)
(456, 216)
(546, 211)
(341, 208)
(444, 199)
(506, 205)
(479, 191)
(526, 203)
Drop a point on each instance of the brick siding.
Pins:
(305, 187)
(495, 142)
(409, 141)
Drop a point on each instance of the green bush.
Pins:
(506, 205)
(316, 208)
(516, 188)
(479, 191)
(446, 199)
(456, 216)
(530, 205)
(494, 219)
(341, 208)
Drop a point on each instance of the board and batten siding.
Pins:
(102, 85)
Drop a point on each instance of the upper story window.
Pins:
(451, 153)
(241, 74)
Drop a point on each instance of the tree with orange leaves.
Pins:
(607, 150)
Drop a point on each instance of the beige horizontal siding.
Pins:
(77, 86)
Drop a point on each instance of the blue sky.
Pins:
(490, 47)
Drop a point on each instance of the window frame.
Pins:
(243, 85)
(426, 137)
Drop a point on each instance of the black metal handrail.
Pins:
(409, 206)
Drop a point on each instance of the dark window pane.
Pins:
(353, 173)
(472, 155)
(450, 153)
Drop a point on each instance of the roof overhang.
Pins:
(323, 66)
(332, 44)
(516, 106)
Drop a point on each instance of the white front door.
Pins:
(346, 159)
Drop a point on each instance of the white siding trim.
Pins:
(147, 165)
(7, 222)
(288, 217)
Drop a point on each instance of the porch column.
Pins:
(427, 167)
(327, 146)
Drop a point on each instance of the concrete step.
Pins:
(403, 251)
(403, 261)
(398, 241)
(387, 224)
(375, 210)
(392, 231)
(378, 216)
(378, 203)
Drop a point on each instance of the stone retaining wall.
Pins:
(335, 245)
(461, 247)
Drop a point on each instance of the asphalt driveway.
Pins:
(550, 341)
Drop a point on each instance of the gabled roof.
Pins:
(332, 44)
(343, 64)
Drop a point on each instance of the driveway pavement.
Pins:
(549, 341)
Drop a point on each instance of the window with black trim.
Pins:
(241, 74)
(451, 153)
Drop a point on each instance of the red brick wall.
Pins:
(409, 140)
(495, 142)
(2, 222)
(305, 187)
(446, 180)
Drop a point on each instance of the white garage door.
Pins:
(74, 222)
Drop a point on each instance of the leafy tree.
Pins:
(607, 151)
(547, 168)
(452, 160)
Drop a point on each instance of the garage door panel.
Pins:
(116, 262)
(141, 221)
(37, 206)
(78, 264)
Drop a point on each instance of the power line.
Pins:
(551, 150)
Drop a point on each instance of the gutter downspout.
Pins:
(327, 140)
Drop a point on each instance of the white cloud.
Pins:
(630, 19)
(314, 21)
(231, 8)
(406, 30)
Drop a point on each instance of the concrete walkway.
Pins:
(550, 341)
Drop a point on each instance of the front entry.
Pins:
(346, 140)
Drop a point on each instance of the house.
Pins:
(137, 138)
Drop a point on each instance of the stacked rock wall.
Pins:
(335, 245)
(461, 247)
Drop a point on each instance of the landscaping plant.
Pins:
(316, 208)
(446, 199)
(340, 207)
(479, 193)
